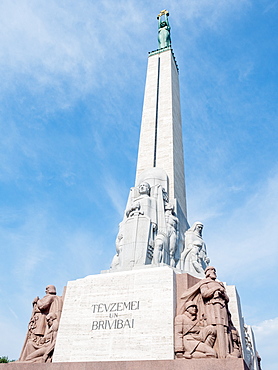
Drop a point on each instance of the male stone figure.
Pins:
(144, 204)
(172, 225)
(166, 240)
(212, 301)
(135, 240)
(216, 306)
(192, 340)
(194, 256)
(38, 326)
(237, 349)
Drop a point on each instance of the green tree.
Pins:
(4, 359)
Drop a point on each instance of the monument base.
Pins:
(179, 364)
(121, 316)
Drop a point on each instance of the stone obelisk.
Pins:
(161, 128)
(155, 219)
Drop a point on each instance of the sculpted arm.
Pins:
(167, 21)
(207, 292)
(224, 294)
(45, 302)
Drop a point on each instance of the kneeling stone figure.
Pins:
(191, 339)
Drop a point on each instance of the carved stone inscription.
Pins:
(113, 315)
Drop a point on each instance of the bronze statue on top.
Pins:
(164, 38)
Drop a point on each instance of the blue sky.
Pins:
(71, 95)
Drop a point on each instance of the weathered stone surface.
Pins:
(161, 131)
(118, 316)
(197, 364)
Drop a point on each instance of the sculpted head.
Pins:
(50, 289)
(191, 308)
(144, 188)
(210, 272)
(196, 228)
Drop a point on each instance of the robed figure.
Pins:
(42, 328)
(212, 301)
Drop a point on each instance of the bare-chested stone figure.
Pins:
(172, 225)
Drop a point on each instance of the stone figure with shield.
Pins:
(149, 232)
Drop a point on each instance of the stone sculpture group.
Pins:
(150, 232)
(204, 327)
(43, 327)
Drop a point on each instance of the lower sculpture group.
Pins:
(43, 327)
(204, 328)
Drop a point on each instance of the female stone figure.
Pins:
(164, 39)
(194, 258)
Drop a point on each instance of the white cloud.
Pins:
(208, 14)
(244, 231)
(63, 47)
(267, 342)
(66, 46)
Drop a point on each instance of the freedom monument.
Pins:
(160, 304)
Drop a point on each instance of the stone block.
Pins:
(200, 364)
(118, 316)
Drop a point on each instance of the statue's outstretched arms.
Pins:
(167, 21)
